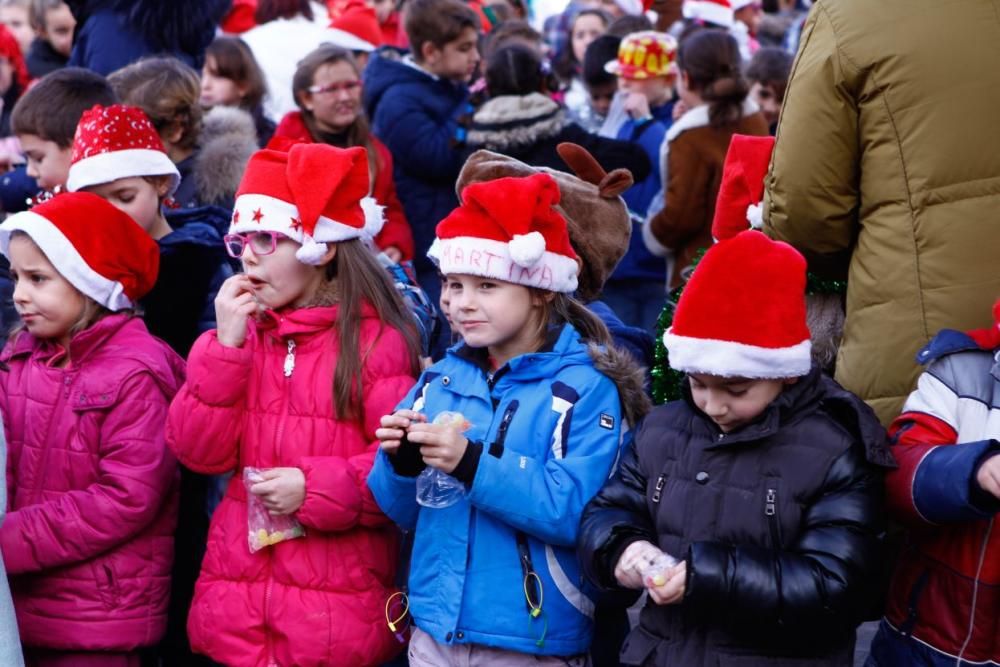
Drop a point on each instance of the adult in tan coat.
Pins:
(887, 170)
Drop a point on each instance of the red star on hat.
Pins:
(258, 216)
(296, 224)
(236, 217)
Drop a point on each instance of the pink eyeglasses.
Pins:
(262, 243)
(345, 86)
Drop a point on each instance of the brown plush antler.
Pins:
(586, 168)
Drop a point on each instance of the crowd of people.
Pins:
(447, 332)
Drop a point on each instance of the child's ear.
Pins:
(163, 186)
(429, 53)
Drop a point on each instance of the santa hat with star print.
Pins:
(739, 205)
(314, 194)
(743, 312)
(716, 12)
(115, 267)
(115, 142)
(508, 229)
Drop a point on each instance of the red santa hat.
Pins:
(115, 142)
(314, 194)
(717, 12)
(741, 192)
(356, 20)
(740, 4)
(743, 312)
(508, 229)
(99, 249)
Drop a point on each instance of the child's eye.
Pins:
(36, 278)
(737, 392)
(487, 285)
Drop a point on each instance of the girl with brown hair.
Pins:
(231, 77)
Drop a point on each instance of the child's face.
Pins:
(138, 197)
(218, 90)
(338, 102)
(657, 89)
(58, 31)
(767, 100)
(586, 29)
(458, 58)
(734, 402)
(47, 303)
(279, 279)
(601, 96)
(444, 302)
(751, 16)
(502, 317)
(16, 20)
(48, 162)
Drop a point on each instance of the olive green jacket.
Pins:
(887, 168)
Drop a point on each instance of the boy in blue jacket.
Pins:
(415, 102)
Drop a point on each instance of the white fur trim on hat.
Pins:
(731, 359)
(709, 11)
(346, 40)
(755, 215)
(65, 258)
(106, 167)
(740, 4)
(471, 255)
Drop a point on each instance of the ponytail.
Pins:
(711, 59)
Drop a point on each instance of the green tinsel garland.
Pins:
(667, 383)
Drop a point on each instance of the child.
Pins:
(600, 84)
(89, 538)
(428, 89)
(768, 74)
(313, 346)
(13, 81)
(14, 15)
(763, 482)
(493, 579)
(645, 76)
(585, 27)
(940, 608)
(53, 24)
(231, 77)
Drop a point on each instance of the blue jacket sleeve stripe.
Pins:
(942, 485)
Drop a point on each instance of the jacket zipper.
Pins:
(975, 591)
(771, 512)
(508, 415)
(658, 490)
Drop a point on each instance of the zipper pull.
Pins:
(770, 502)
(660, 481)
(290, 359)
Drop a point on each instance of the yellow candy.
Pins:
(262, 537)
(659, 580)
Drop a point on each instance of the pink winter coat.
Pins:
(319, 599)
(88, 543)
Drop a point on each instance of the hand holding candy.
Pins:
(394, 428)
(671, 591)
(631, 566)
(442, 444)
(281, 490)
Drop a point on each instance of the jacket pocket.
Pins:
(640, 648)
(107, 582)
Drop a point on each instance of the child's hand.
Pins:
(393, 253)
(234, 305)
(672, 591)
(441, 446)
(628, 571)
(637, 106)
(989, 476)
(283, 490)
(394, 428)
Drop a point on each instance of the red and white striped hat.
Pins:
(718, 12)
(115, 142)
(99, 249)
(314, 194)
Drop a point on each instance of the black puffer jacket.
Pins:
(781, 524)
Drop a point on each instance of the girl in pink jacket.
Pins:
(84, 393)
(313, 346)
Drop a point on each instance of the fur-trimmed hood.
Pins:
(621, 368)
(510, 122)
(228, 139)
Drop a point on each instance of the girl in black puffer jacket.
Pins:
(765, 481)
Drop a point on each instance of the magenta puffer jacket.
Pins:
(88, 542)
(318, 599)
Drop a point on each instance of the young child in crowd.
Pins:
(88, 541)
(493, 578)
(231, 77)
(763, 484)
(585, 27)
(13, 82)
(940, 608)
(645, 78)
(768, 74)
(313, 346)
(53, 24)
(429, 90)
(600, 84)
(15, 16)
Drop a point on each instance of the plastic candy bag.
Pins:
(435, 488)
(654, 573)
(264, 529)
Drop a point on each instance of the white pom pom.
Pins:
(374, 218)
(527, 249)
(755, 215)
(311, 253)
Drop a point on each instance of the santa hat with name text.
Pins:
(99, 249)
(716, 12)
(314, 194)
(743, 312)
(117, 141)
(509, 230)
(739, 205)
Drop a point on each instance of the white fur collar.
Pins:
(698, 117)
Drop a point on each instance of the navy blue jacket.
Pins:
(416, 117)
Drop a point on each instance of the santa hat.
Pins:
(741, 191)
(115, 142)
(740, 4)
(743, 312)
(356, 28)
(99, 249)
(314, 194)
(717, 12)
(508, 229)
(10, 50)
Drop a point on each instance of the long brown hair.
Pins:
(711, 59)
(232, 59)
(358, 279)
(358, 134)
(167, 90)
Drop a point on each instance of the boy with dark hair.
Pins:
(415, 103)
(45, 120)
(601, 85)
(768, 74)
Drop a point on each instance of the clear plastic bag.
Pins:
(264, 529)
(654, 572)
(435, 488)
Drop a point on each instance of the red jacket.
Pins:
(396, 231)
(319, 599)
(92, 487)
